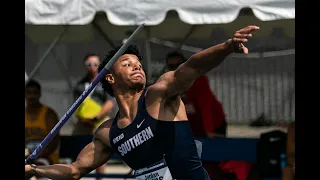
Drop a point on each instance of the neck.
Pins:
(127, 102)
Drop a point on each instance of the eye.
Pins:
(126, 65)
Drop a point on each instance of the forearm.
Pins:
(207, 59)
(58, 171)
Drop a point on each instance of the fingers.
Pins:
(248, 29)
(245, 50)
(239, 35)
(242, 36)
(239, 40)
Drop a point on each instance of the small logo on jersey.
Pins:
(135, 141)
(118, 138)
(139, 125)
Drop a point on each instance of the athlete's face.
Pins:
(127, 70)
(33, 95)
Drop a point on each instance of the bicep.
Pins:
(92, 156)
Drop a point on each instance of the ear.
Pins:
(110, 78)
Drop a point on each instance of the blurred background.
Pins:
(256, 91)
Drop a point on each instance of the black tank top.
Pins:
(147, 140)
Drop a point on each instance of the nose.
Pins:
(137, 67)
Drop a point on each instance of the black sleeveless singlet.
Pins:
(147, 140)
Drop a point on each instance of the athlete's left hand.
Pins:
(28, 173)
(241, 36)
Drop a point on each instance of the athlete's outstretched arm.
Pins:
(92, 156)
(175, 82)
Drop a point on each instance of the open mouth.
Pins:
(137, 75)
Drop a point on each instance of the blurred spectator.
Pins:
(288, 170)
(39, 121)
(96, 107)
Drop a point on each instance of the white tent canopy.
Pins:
(153, 12)
(196, 19)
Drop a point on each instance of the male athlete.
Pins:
(150, 131)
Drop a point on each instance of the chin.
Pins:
(138, 84)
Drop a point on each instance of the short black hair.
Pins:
(89, 55)
(175, 54)
(132, 49)
(33, 84)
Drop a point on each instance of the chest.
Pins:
(137, 137)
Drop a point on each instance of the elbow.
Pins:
(75, 173)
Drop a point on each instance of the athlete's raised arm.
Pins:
(175, 82)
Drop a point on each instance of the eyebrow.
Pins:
(125, 59)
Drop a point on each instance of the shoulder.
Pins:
(103, 129)
(161, 85)
(164, 79)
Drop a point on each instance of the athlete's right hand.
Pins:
(242, 36)
(28, 173)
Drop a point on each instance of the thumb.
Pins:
(245, 50)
